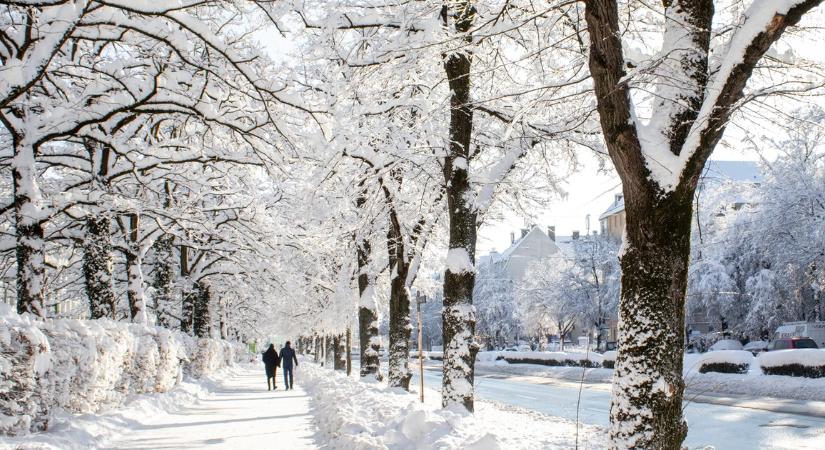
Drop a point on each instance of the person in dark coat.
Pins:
(287, 358)
(271, 363)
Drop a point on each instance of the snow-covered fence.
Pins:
(808, 363)
(572, 359)
(725, 361)
(84, 365)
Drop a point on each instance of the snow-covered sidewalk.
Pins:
(238, 413)
(230, 410)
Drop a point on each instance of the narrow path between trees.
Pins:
(238, 414)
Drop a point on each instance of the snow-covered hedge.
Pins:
(83, 365)
(609, 359)
(576, 359)
(808, 363)
(725, 361)
(435, 356)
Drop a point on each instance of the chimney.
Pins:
(524, 232)
(619, 198)
(576, 235)
(512, 238)
(551, 232)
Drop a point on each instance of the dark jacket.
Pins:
(288, 356)
(271, 361)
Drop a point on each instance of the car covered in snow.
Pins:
(726, 344)
(756, 347)
(791, 343)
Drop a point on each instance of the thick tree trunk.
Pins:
(349, 351)
(164, 277)
(316, 349)
(369, 340)
(340, 342)
(460, 347)
(30, 244)
(189, 296)
(647, 395)
(201, 314)
(330, 352)
(134, 271)
(97, 267)
(398, 370)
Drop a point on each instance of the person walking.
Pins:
(271, 363)
(287, 358)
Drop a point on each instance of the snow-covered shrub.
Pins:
(487, 356)
(207, 356)
(24, 358)
(435, 356)
(609, 359)
(725, 361)
(808, 363)
(83, 365)
(171, 357)
(574, 359)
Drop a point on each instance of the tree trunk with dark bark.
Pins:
(460, 347)
(339, 342)
(398, 370)
(201, 313)
(163, 280)
(349, 351)
(646, 408)
(97, 267)
(30, 242)
(369, 340)
(134, 271)
(189, 296)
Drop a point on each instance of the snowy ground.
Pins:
(360, 416)
(231, 411)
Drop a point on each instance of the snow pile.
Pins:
(798, 362)
(81, 366)
(575, 359)
(355, 415)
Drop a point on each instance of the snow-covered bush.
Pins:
(83, 365)
(808, 363)
(725, 361)
(609, 359)
(435, 356)
(575, 359)
(24, 359)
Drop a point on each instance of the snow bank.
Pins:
(355, 415)
(82, 366)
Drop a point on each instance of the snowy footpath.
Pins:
(230, 411)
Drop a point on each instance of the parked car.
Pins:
(726, 344)
(756, 347)
(524, 348)
(791, 343)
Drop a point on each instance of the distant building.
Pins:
(534, 244)
(612, 221)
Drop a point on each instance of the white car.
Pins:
(726, 344)
(756, 347)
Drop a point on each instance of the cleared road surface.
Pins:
(720, 426)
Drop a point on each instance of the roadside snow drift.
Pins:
(356, 415)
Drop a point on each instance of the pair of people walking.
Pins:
(272, 360)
